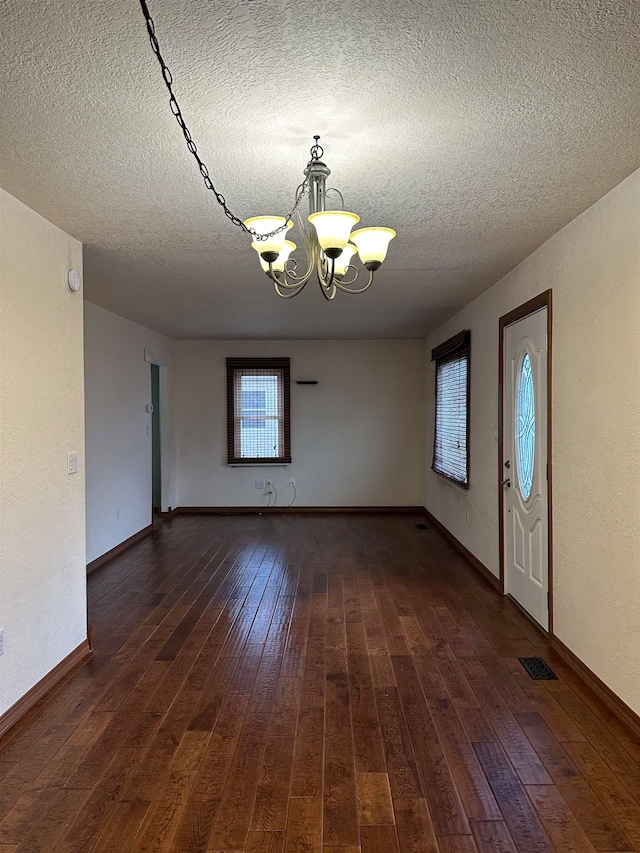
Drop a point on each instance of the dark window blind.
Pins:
(451, 437)
(258, 410)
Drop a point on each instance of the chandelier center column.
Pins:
(317, 172)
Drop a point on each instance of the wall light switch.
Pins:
(260, 484)
(72, 462)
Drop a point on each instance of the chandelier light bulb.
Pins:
(344, 259)
(269, 249)
(279, 264)
(372, 245)
(333, 228)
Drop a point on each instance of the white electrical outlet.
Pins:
(72, 462)
(260, 484)
(1, 641)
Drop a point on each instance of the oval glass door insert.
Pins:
(525, 426)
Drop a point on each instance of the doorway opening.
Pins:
(156, 450)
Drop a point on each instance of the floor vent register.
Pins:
(538, 669)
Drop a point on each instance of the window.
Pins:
(254, 404)
(525, 426)
(451, 437)
(258, 428)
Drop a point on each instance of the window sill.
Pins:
(258, 464)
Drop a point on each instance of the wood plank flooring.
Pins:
(319, 684)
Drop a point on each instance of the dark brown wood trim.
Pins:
(240, 510)
(501, 456)
(615, 704)
(542, 300)
(118, 549)
(166, 514)
(46, 685)
(281, 365)
(452, 347)
(471, 558)
(550, 451)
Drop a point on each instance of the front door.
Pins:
(525, 471)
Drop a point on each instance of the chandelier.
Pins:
(329, 242)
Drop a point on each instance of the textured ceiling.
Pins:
(476, 128)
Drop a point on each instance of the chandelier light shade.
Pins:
(344, 259)
(279, 264)
(332, 230)
(372, 245)
(271, 232)
(328, 241)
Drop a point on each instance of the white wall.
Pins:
(593, 268)
(42, 544)
(356, 437)
(118, 387)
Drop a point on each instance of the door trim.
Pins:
(543, 300)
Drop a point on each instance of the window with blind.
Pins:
(258, 419)
(451, 437)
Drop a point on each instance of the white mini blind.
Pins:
(258, 414)
(451, 437)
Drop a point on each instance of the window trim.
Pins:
(456, 347)
(279, 364)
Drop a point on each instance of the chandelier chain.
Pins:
(192, 147)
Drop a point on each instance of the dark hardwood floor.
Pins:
(323, 683)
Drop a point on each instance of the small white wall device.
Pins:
(73, 280)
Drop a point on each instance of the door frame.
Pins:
(543, 300)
